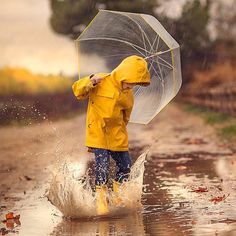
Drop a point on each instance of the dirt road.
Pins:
(175, 136)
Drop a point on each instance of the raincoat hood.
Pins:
(133, 69)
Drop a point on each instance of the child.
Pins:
(109, 108)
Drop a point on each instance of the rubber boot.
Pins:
(116, 197)
(102, 205)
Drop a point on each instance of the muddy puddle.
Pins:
(184, 194)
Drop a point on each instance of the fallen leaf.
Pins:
(10, 224)
(200, 190)
(17, 221)
(194, 222)
(218, 199)
(4, 231)
(9, 216)
(17, 217)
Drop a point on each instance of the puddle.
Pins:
(171, 204)
(72, 193)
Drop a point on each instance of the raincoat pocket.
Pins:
(104, 103)
(105, 93)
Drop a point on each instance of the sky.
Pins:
(26, 39)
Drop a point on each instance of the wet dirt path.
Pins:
(190, 178)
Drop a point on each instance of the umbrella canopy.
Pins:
(112, 36)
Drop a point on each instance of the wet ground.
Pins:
(190, 187)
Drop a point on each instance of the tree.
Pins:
(191, 28)
(69, 17)
(224, 22)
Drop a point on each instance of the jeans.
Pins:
(102, 161)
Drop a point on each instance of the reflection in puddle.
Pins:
(131, 224)
(171, 204)
(197, 212)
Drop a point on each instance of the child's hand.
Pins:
(96, 80)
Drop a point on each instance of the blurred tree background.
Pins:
(70, 17)
(16, 81)
(205, 30)
(27, 97)
(191, 29)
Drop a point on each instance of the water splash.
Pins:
(70, 190)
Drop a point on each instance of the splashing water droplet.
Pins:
(71, 192)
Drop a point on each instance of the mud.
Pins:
(189, 178)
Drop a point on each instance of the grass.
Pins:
(228, 132)
(210, 117)
(224, 124)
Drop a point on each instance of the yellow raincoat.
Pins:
(110, 106)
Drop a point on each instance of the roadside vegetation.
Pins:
(224, 124)
(17, 81)
(27, 98)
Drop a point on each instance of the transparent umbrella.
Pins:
(112, 36)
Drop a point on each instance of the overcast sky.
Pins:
(26, 39)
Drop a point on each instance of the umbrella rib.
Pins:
(152, 46)
(139, 26)
(155, 69)
(151, 65)
(137, 90)
(161, 74)
(152, 50)
(138, 50)
(166, 62)
(118, 40)
(158, 53)
(144, 44)
(163, 65)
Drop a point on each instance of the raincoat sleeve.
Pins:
(82, 87)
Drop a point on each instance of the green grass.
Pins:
(228, 132)
(210, 117)
(224, 124)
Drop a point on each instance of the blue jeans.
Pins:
(102, 161)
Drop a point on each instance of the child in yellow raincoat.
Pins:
(109, 108)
